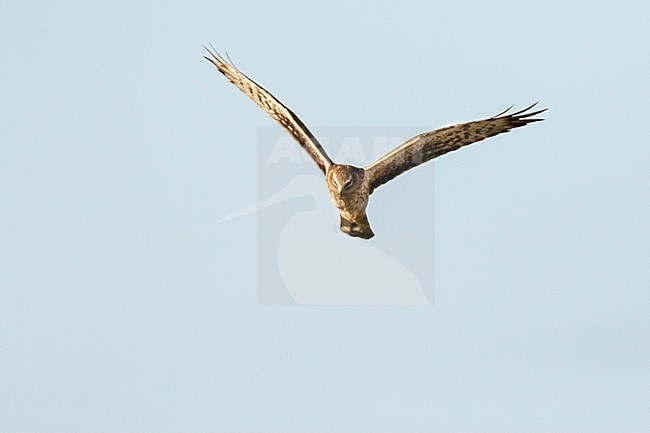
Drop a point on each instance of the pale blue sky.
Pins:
(124, 308)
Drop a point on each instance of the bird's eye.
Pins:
(348, 183)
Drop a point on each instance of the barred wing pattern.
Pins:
(274, 108)
(432, 144)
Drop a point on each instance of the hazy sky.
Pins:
(124, 308)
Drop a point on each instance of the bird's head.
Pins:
(344, 178)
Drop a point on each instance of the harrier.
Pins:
(350, 187)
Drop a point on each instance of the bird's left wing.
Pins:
(432, 144)
(274, 108)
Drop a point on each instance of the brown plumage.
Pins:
(350, 187)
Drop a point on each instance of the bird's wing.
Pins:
(274, 108)
(432, 144)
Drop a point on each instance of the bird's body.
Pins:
(349, 191)
(349, 187)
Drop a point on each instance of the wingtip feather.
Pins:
(524, 110)
(503, 112)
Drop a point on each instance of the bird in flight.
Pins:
(350, 187)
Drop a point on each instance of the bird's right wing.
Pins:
(274, 108)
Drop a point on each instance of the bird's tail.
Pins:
(357, 229)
